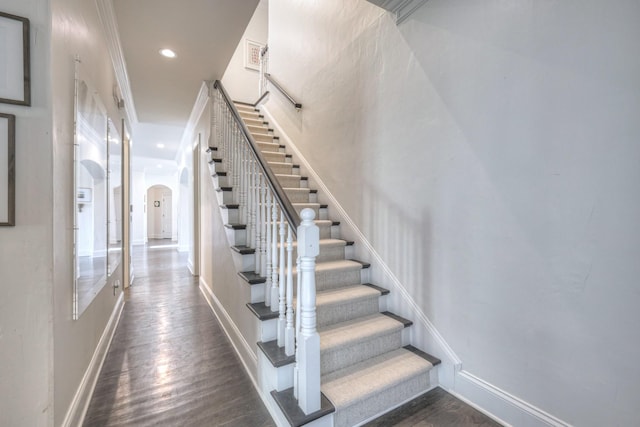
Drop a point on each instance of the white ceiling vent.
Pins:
(401, 8)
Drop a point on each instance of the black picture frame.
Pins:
(7, 170)
(16, 54)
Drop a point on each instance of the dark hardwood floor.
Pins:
(436, 408)
(170, 363)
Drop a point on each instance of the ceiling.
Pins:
(203, 33)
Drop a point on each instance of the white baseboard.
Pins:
(492, 400)
(247, 356)
(80, 403)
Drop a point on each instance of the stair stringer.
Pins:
(423, 333)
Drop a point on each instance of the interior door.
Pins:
(166, 216)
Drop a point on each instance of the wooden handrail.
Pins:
(284, 92)
(278, 192)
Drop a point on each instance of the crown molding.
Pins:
(107, 15)
(400, 8)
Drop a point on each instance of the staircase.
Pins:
(367, 363)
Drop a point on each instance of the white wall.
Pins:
(26, 253)
(242, 83)
(490, 155)
(37, 379)
(76, 30)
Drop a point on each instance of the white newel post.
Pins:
(308, 355)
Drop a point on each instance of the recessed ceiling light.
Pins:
(160, 166)
(160, 145)
(168, 53)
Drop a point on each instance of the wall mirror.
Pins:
(114, 201)
(91, 187)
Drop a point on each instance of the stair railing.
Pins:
(268, 214)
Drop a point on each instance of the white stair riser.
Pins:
(225, 197)
(257, 292)
(236, 237)
(246, 262)
(221, 181)
(229, 215)
(267, 330)
(272, 378)
(215, 167)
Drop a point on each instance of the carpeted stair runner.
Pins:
(365, 370)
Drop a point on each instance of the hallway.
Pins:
(170, 362)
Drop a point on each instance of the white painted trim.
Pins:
(107, 15)
(379, 262)
(190, 266)
(80, 403)
(514, 411)
(242, 347)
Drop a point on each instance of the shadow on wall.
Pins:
(403, 242)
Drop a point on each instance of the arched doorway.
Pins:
(159, 212)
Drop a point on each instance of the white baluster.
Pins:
(289, 335)
(297, 326)
(308, 343)
(263, 230)
(282, 323)
(242, 213)
(268, 253)
(236, 164)
(251, 215)
(275, 290)
(258, 246)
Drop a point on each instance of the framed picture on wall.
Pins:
(15, 68)
(252, 55)
(7, 169)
